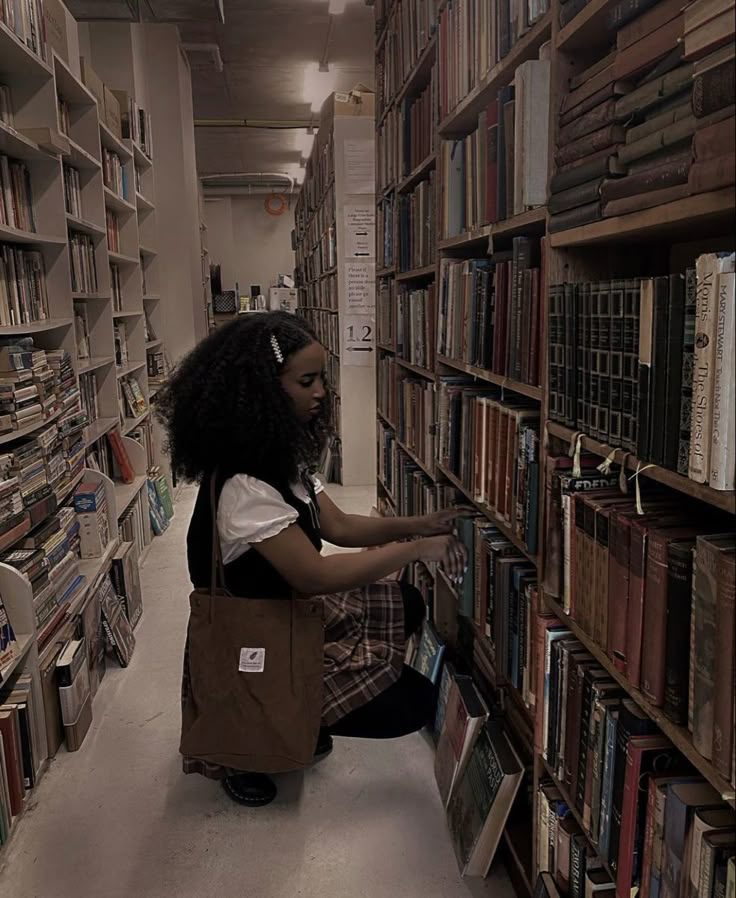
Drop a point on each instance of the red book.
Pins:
(491, 137)
(644, 756)
(655, 612)
(618, 588)
(121, 456)
(13, 763)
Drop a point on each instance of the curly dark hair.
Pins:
(224, 407)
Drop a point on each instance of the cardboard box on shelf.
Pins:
(93, 83)
(62, 33)
(282, 299)
(113, 118)
(361, 100)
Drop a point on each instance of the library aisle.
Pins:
(120, 819)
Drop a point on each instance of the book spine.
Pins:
(677, 639)
(723, 698)
(723, 437)
(675, 346)
(702, 403)
(658, 374)
(704, 616)
(607, 784)
(686, 395)
(635, 616)
(646, 328)
(616, 363)
(655, 620)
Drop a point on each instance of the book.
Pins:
(118, 630)
(430, 652)
(126, 580)
(480, 805)
(465, 715)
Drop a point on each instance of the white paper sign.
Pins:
(359, 341)
(360, 232)
(360, 167)
(360, 282)
(252, 660)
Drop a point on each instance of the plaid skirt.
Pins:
(363, 655)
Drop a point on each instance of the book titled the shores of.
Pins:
(481, 803)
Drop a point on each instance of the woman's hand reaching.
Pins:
(448, 551)
(443, 521)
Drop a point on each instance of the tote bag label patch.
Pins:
(252, 660)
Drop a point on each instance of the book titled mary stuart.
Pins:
(480, 805)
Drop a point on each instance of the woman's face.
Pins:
(303, 380)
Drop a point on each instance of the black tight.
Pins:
(407, 705)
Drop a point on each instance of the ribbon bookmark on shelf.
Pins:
(635, 478)
(576, 444)
(605, 466)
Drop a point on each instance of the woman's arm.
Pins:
(352, 531)
(309, 573)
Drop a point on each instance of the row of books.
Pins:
(83, 263)
(387, 378)
(322, 219)
(492, 446)
(500, 169)
(415, 324)
(326, 325)
(88, 395)
(385, 225)
(26, 21)
(388, 168)
(318, 262)
(645, 364)
(386, 311)
(136, 124)
(416, 226)
(490, 313)
(419, 119)
(156, 364)
(112, 225)
(132, 401)
(116, 286)
(651, 121)
(474, 37)
(622, 808)
(654, 591)
(320, 294)
(72, 191)
(318, 179)
(16, 195)
(114, 174)
(412, 26)
(6, 107)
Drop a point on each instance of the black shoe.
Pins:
(324, 746)
(251, 789)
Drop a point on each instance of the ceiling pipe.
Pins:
(273, 125)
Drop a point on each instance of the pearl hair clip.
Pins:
(277, 350)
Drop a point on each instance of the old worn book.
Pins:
(654, 92)
(668, 113)
(583, 77)
(725, 622)
(700, 12)
(600, 96)
(709, 36)
(640, 56)
(723, 438)
(714, 89)
(712, 174)
(624, 11)
(677, 629)
(714, 59)
(532, 92)
(647, 23)
(579, 195)
(592, 120)
(714, 140)
(667, 174)
(573, 218)
(608, 136)
(641, 201)
(594, 169)
(589, 87)
(669, 136)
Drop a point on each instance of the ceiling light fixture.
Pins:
(337, 7)
(319, 83)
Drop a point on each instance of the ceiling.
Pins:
(265, 47)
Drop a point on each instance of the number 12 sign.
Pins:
(359, 341)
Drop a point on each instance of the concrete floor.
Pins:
(118, 818)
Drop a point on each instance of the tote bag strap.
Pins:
(217, 567)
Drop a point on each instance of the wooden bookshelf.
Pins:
(419, 174)
(500, 380)
(679, 736)
(417, 274)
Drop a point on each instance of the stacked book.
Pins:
(417, 226)
(622, 807)
(72, 191)
(644, 364)
(83, 263)
(114, 174)
(416, 416)
(27, 23)
(23, 296)
(16, 196)
(490, 311)
(415, 323)
(419, 117)
(492, 447)
(652, 121)
(13, 517)
(626, 577)
(27, 384)
(8, 642)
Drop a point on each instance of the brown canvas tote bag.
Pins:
(256, 677)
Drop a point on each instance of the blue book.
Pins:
(607, 786)
(431, 650)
